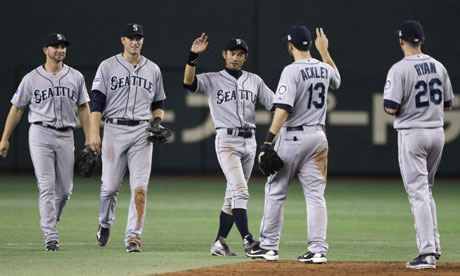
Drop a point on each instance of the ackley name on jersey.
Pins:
(119, 82)
(57, 91)
(225, 96)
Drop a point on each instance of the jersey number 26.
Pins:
(435, 92)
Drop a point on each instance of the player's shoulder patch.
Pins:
(282, 89)
(387, 85)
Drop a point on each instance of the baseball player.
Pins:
(51, 91)
(302, 145)
(417, 92)
(127, 93)
(232, 97)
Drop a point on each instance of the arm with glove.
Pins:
(159, 133)
(269, 161)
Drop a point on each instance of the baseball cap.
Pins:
(55, 38)
(298, 36)
(132, 29)
(237, 43)
(410, 31)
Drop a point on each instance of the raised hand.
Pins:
(199, 45)
(321, 41)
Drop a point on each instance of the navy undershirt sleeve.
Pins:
(191, 87)
(286, 107)
(448, 103)
(98, 101)
(390, 104)
(158, 105)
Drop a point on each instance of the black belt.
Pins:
(124, 122)
(296, 128)
(52, 127)
(241, 133)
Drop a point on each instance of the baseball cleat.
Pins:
(134, 244)
(427, 261)
(52, 246)
(313, 258)
(249, 243)
(258, 252)
(220, 248)
(103, 236)
(437, 254)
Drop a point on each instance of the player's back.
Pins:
(420, 84)
(303, 86)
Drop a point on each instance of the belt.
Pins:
(241, 133)
(303, 127)
(124, 122)
(52, 127)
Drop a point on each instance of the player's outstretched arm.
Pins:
(322, 44)
(279, 118)
(94, 134)
(83, 114)
(199, 45)
(14, 116)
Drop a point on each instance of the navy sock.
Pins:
(241, 220)
(225, 225)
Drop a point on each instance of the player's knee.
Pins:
(109, 190)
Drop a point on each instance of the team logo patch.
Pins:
(135, 28)
(238, 41)
(289, 38)
(282, 89)
(59, 37)
(387, 84)
(97, 80)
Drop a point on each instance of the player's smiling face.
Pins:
(56, 52)
(133, 44)
(234, 59)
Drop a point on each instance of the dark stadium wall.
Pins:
(362, 43)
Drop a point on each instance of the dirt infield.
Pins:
(285, 268)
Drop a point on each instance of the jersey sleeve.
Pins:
(286, 90)
(335, 80)
(159, 88)
(393, 89)
(23, 94)
(265, 95)
(101, 79)
(448, 92)
(202, 83)
(83, 96)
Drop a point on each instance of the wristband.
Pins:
(192, 58)
(269, 137)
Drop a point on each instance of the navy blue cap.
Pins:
(298, 36)
(55, 38)
(410, 31)
(132, 29)
(235, 43)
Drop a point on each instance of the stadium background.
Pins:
(362, 43)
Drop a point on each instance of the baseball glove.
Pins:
(270, 162)
(160, 134)
(86, 162)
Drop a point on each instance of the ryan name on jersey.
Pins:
(425, 68)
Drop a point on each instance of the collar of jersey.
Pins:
(230, 77)
(42, 70)
(307, 61)
(129, 65)
(417, 57)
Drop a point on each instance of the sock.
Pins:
(226, 223)
(241, 220)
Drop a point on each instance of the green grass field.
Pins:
(369, 220)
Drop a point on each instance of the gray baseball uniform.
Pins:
(51, 99)
(130, 90)
(420, 85)
(303, 147)
(232, 105)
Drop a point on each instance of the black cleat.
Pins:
(426, 261)
(258, 252)
(52, 246)
(313, 258)
(103, 236)
(249, 243)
